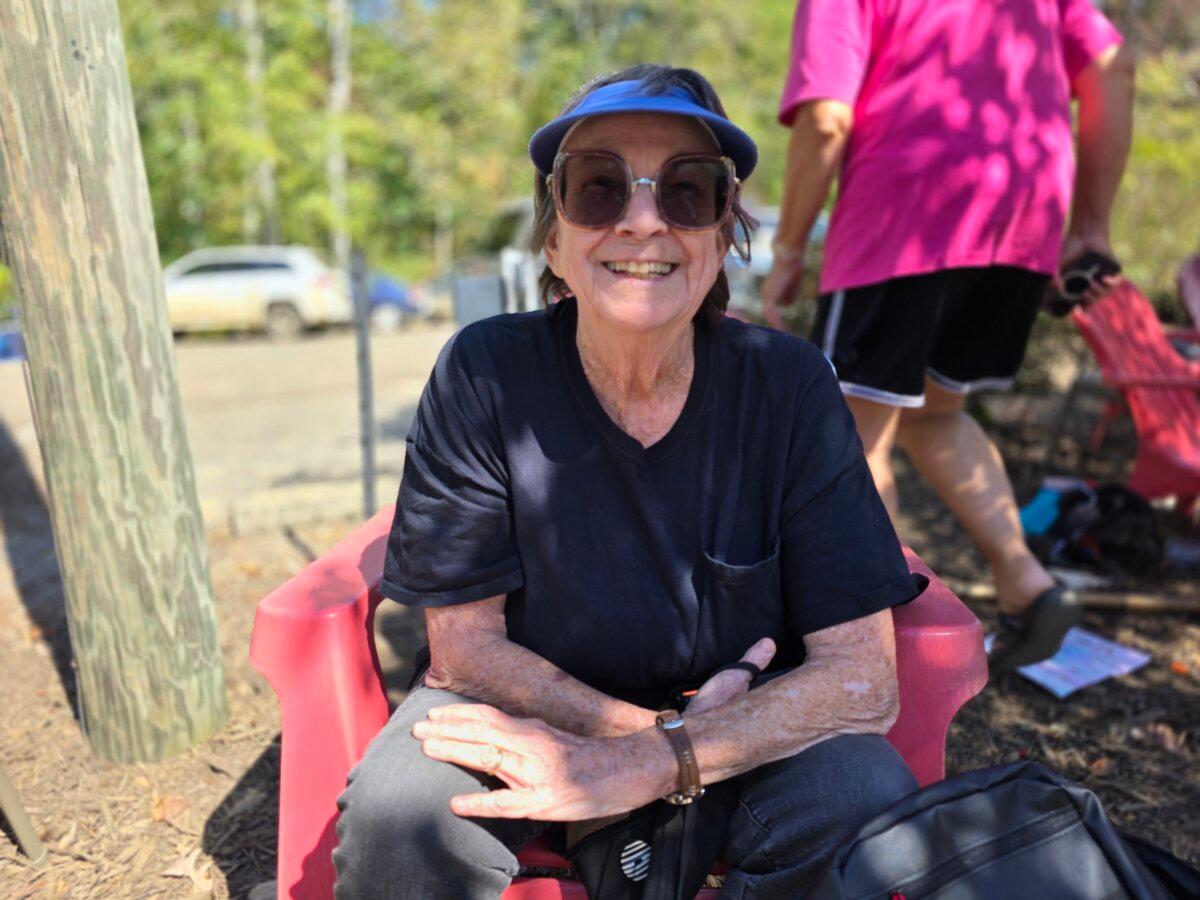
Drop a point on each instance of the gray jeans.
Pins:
(399, 839)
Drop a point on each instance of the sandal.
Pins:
(1037, 633)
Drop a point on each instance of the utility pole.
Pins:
(78, 235)
(366, 389)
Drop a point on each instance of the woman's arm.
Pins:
(819, 137)
(1105, 125)
(847, 685)
(471, 655)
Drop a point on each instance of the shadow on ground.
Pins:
(29, 545)
(241, 835)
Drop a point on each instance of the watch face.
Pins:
(673, 723)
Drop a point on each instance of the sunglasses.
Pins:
(593, 189)
(1086, 274)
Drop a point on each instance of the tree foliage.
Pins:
(447, 92)
(1156, 223)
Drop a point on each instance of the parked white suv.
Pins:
(280, 290)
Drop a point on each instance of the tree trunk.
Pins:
(260, 221)
(339, 102)
(78, 234)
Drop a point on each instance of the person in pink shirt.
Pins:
(948, 124)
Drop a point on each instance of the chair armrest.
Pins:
(940, 665)
(1122, 381)
(1187, 335)
(309, 643)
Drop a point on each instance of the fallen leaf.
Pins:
(1165, 737)
(182, 867)
(251, 569)
(1179, 667)
(1100, 766)
(167, 806)
(201, 879)
(68, 836)
(193, 870)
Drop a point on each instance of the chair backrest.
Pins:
(1127, 339)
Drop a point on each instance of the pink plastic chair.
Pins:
(313, 640)
(1158, 385)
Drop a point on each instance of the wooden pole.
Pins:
(1120, 600)
(78, 234)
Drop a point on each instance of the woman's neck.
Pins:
(626, 368)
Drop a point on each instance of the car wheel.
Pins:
(386, 317)
(283, 322)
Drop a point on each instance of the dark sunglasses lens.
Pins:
(592, 190)
(695, 193)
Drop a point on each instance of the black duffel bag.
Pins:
(1011, 831)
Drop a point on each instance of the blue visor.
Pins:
(626, 97)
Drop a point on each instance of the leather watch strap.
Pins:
(671, 724)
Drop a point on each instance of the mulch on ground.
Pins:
(203, 824)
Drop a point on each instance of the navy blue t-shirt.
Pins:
(638, 569)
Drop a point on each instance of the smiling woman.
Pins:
(619, 502)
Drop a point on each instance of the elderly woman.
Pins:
(614, 498)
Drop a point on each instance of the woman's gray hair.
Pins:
(655, 80)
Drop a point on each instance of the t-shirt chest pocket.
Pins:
(739, 605)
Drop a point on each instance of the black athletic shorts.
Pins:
(965, 329)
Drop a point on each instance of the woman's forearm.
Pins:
(479, 662)
(1105, 125)
(848, 686)
(819, 137)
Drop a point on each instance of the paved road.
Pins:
(274, 427)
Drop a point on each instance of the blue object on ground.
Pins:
(1040, 513)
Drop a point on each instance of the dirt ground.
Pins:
(203, 824)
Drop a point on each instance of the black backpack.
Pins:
(1010, 831)
(1109, 528)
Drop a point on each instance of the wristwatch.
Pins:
(670, 723)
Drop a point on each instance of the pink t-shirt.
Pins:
(961, 151)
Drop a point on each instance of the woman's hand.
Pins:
(732, 683)
(550, 774)
(1074, 247)
(781, 288)
(556, 776)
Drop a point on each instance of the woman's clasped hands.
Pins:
(553, 775)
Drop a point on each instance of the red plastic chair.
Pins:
(1158, 385)
(313, 640)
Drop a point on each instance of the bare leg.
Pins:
(876, 423)
(954, 455)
